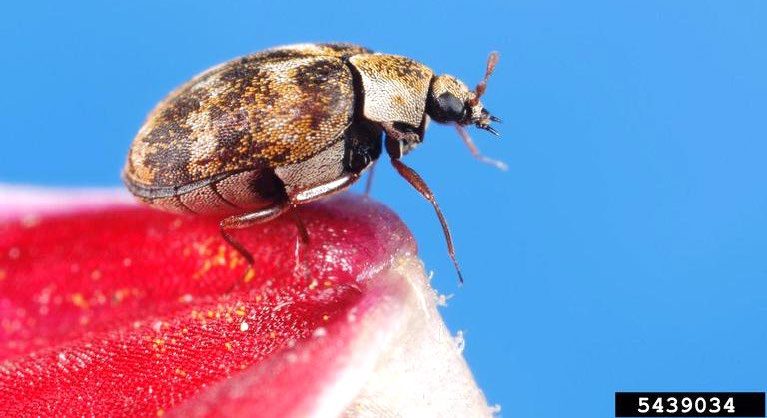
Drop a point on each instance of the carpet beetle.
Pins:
(250, 139)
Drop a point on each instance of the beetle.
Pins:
(255, 137)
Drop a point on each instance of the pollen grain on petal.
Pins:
(79, 300)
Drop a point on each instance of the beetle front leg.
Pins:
(417, 182)
(475, 151)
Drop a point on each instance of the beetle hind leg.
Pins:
(244, 221)
(274, 211)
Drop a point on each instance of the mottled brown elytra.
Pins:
(252, 138)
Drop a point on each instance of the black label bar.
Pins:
(689, 404)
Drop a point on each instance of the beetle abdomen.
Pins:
(223, 194)
(272, 109)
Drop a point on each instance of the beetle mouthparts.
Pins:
(484, 122)
(489, 129)
(489, 116)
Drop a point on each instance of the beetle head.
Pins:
(450, 101)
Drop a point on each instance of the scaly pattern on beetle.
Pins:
(395, 87)
(268, 109)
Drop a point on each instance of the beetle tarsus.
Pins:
(244, 221)
(237, 245)
(303, 233)
(417, 182)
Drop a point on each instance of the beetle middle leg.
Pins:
(324, 190)
(303, 233)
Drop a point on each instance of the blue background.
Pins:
(623, 250)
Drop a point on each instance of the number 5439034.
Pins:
(672, 405)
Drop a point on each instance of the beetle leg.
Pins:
(301, 226)
(475, 151)
(309, 195)
(397, 141)
(399, 135)
(244, 221)
(317, 192)
(369, 180)
(417, 182)
(301, 239)
(324, 190)
(267, 214)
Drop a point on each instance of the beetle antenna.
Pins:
(492, 60)
(417, 182)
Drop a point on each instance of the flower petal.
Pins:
(114, 309)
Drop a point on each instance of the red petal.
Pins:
(122, 310)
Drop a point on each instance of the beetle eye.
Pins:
(447, 108)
